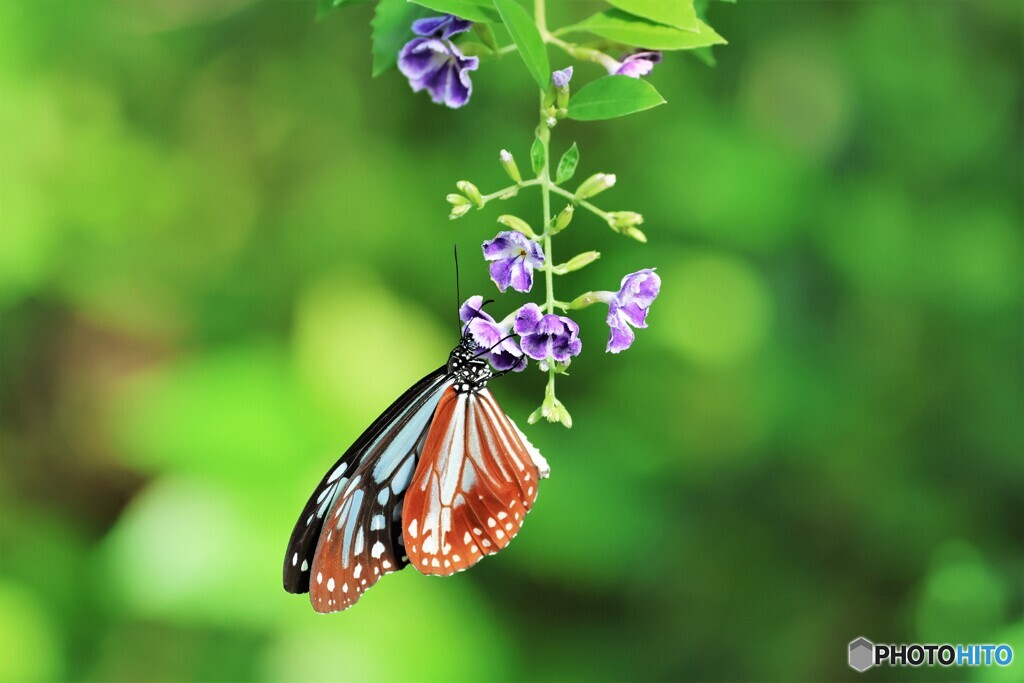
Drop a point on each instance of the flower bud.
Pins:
(563, 219)
(551, 122)
(580, 260)
(589, 299)
(486, 36)
(517, 224)
(459, 211)
(469, 189)
(508, 162)
(552, 410)
(595, 184)
(620, 220)
(456, 199)
(636, 234)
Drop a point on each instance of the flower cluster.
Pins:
(433, 62)
(540, 332)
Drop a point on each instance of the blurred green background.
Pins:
(225, 250)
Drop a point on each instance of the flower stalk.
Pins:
(536, 331)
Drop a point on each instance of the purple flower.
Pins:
(445, 26)
(629, 306)
(434, 64)
(513, 257)
(639, 63)
(560, 79)
(544, 336)
(487, 334)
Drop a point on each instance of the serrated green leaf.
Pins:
(474, 10)
(325, 7)
(677, 13)
(392, 24)
(567, 164)
(523, 30)
(613, 96)
(624, 28)
(537, 158)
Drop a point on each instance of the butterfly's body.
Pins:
(443, 471)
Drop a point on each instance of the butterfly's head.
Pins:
(468, 367)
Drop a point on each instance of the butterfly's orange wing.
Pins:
(475, 482)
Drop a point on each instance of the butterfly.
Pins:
(440, 480)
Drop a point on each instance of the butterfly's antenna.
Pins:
(496, 345)
(514, 366)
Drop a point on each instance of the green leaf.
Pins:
(391, 29)
(677, 13)
(537, 158)
(613, 96)
(527, 38)
(474, 10)
(624, 28)
(705, 55)
(567, 164)
(325, 7)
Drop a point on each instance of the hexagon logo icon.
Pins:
(862, 654)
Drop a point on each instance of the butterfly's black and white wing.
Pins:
(352, 496)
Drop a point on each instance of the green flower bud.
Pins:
(486, 36)
(459, 211)
(508, 162)
(517, 224)
(456, 199)
(469, 189)
(552, 410)
(580, 260)
(589, 299)
(620, 220)
(636, 234)
(595, 184)
(471, 49)
(563, 219)
(562, 97)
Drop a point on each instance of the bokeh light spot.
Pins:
(718, 309)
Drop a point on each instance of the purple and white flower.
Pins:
(636, 64)
(505, 354)
(547, 336)
(561, 78)
(629, 306)
(444, 27)
(433, 63)
(513, 257)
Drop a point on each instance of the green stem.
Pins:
(544, 133)
(495, 195)
(582, 202)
